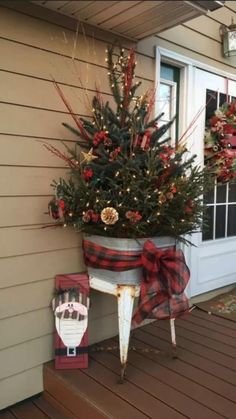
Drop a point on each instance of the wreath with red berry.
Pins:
(220, 143)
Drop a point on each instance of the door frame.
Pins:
(187, 111)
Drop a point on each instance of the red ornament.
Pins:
(87, 173)
(133, 216)
(228, 129)
(61, 204)
(173, 189)
(90, 215)
(95, 217)
(100, 137)
(114, 154)
(214, 120)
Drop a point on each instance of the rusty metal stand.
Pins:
(173, 338)
(125, 297)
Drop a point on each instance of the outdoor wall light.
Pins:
(228, 35)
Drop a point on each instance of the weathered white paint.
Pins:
(125, 298)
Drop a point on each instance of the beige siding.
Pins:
(33, 52)
(198, 39)
(21, 386)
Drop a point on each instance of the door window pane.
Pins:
(220, 221)
(164, 98)
(221, 193)
(232, 193)
(232, 220)
(223, 98)
(169, 91)
(209, 197)
(211, 103)
(208, 228)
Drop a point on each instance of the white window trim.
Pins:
(181, 60)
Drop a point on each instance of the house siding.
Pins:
(198, 39)
(33, 52)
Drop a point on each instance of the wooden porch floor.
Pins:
(201, 383)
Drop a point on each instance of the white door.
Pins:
(213, 261)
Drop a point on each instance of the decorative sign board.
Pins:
(70, 306)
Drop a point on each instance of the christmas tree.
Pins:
(126, 179)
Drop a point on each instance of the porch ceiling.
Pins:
(134, 20)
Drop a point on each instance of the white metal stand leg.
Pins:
(173, 337)
(125, 297)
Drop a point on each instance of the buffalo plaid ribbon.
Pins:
(165, 276)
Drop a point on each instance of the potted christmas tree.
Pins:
(127, 182)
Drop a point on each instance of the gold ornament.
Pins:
(88, 157)
(109, 216)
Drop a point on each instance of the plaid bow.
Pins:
(165, 276)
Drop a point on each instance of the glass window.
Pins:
(168, 98)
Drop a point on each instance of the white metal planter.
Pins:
(133, 276)
(124, 285)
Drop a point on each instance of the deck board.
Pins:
(197, 345)
(226, 323)
(216, 327)
(105, 365)
(28, 411)
(189, 358)
(200, 383)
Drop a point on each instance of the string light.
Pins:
(70, 214)
(87, 205)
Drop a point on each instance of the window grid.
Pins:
(215, 204)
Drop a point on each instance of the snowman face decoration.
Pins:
(71, 318)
